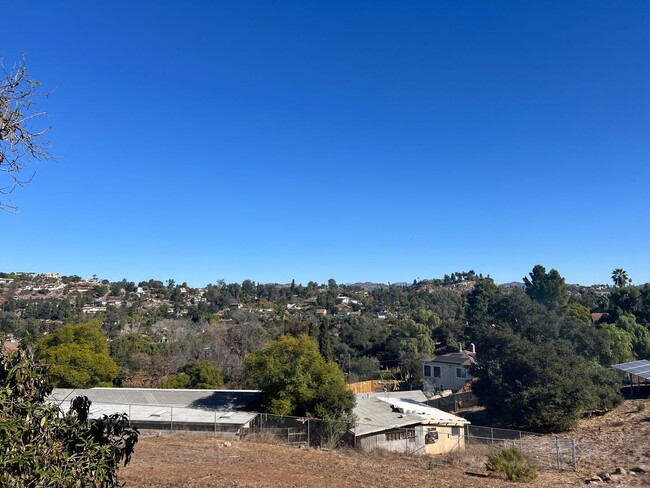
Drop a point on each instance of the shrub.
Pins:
(640, 407)
(41, 447)
(512, 464)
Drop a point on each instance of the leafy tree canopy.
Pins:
(540, 386)
(78, 356)
(547, 288)
(296, 380)
(202, 375)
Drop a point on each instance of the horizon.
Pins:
(380, 141)
(179, 281)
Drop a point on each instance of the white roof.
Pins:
(230, 407)
(376, 413)
(166, 414)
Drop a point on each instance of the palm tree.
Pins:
(619, 276)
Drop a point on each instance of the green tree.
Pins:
(296, 380)
(78, 356)
(480, 300)
(540, 386)
(41, 447)
(578, 312)
(202, 375)
(620, 278)
(547, 288)
(624, 300)
(639, 336)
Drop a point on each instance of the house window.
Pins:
(436, 371)
(455, 431)
(427, 370)
(461, 373)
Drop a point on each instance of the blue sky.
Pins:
(379, 141)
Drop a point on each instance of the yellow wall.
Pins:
(446, 440)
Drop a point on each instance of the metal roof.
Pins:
(637, 368)
(152, 405)
(212, 399)
(416, 395)
(167, 414)
(376, 413)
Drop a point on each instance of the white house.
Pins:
(448, 371)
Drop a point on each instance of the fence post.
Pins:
(492, 435)
(573, 452)
(557, 450)
(171, 419)
(215, 423)
(308, 434)
(129, 415)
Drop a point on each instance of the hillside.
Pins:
(617, 439)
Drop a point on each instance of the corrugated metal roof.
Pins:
(149, 413)
(376, 413)
(221, 407)
(213, 399)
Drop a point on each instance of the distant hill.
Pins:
(368, 286)
(513, 284)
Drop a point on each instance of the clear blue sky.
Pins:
(379, 141)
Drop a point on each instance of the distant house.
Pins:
(399, 421)
(598, 317)
(92, 309)
(448, 371)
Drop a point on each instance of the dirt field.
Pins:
(618, 439)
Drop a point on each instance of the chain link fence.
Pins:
(297, 431)
(546, 452)
(550, 453)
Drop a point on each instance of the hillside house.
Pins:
(448, 371)
(400, 422)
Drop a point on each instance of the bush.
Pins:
(42, 447)
(202, 375)
(512, 464)
(640, 407)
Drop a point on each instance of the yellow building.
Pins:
(402, 422)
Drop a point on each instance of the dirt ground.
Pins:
(618, 439)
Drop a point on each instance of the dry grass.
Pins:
(619, 438)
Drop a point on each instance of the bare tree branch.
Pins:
(21, 145)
